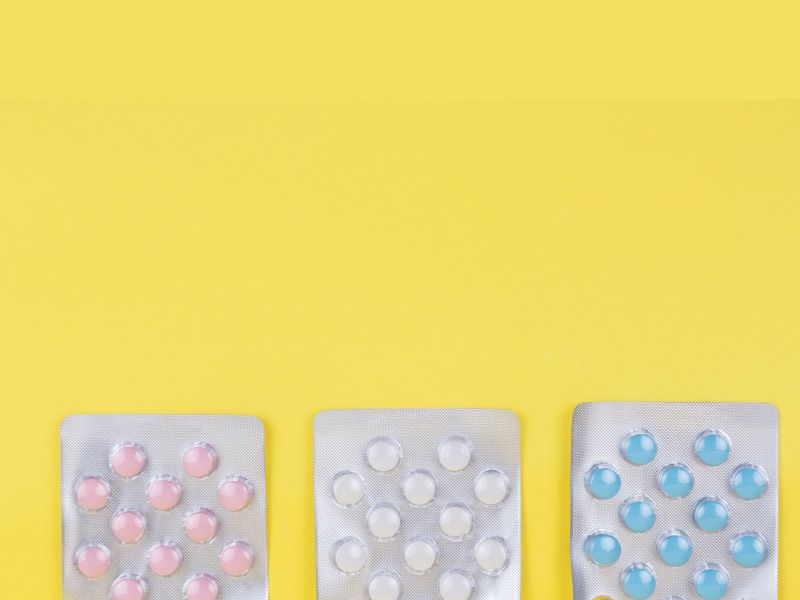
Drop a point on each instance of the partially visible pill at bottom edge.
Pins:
(384, 585)
(201, 587)
(638, 581)
(711, 582)
(602, 548)
(455, 585)
(128, 587)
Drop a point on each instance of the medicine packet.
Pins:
(163, 506)
(675, 501)
(417, 503)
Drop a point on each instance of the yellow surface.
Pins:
(283, 258)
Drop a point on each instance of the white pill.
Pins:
(383, 454)
(491, 487)
(419, 488)
(455, 453)
(420, 555)
(491, 554)
(347, 488)
(383, 521)
(455, 521)
(455, 585)
(349, 555)
(384, 586)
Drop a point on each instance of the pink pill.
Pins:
(93, 560)
(164, 559)
(128, 460)
(235, 493)
(164, 493)
(92, 493)
(201, 587)
(201, 525)
(128, 587)
(200, 460)
(236, 558)
(128, 526)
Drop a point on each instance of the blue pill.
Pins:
(676, 481)
(748, 550)
(711, 583)
(712, 447)
(711, 515)
(749, 482)
(638, 514)
(603, 481)
(639, 447)
(675, 548)
(638, 581)
(602, 548)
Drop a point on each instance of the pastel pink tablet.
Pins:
(235, 493)
(201, 587)
(236, 559)
(128, 526)
(128, 587)
(92, 493)
(200, 460)
(128, 460)
(164, 493)
(165, 559)
(201, 525)
(93, 560)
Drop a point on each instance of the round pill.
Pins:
(749, 482)
(200, 525)
(128, 460)
(128, 526)
(235, 493)
(455, 585)
(164, 493)
(638, 514)
(93, 560)
(638, 447)
(748, 549)
(347, 488)
(420, 555)
(383, 521)
(164, 559)
(675, 480)
(419, 488)
(384, 586)
(455, 521)
(711, 514)
(712, 447)
(491, 554)
(711, 582)
(638, 581)
(200, 460)
(383, 454)
(128, 587)
(602, 548)
(201, 587)
(674, 548)
(491, 486)
(349, 555)
(455, 453)
(236, 559)
(602, 481)
(92, 493)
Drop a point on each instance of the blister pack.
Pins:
(675, 501)
(417, 503)
(163, 506)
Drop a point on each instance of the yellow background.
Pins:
(277, 259)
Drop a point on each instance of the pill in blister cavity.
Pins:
(200, 525)
(455, 453)
(420, 554)
(491, 554)
(236, 559)
(639, 581)
(384, 585)
(711, 514)
(235, 493)
(712, 447)
(93, 560)
(200, 460)
(455, 521)
(165, 559)
(639, 447)
(674, 548)
(128, 587)
(491, 486)
(455, 585)
(602, 548)
(128, 526)
(749, 481)
(347, 488)
(383, 454)
(603, 481)
(419, 487)
(675, 480)
(638, 514)
(711, 582)
(128, 460)
(201, 587)
(92, 493)
(383, 521)
(349, 555)
(164, 493)
(748, 549)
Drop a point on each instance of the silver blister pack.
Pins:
(675, 501)
(417, 503)
(163, 506)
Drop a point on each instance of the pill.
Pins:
(383, 521)
(748, 549)
(455, 521)
(711, 514)
(638, 514)
(491, 486)
(128, 587)
(164, 559)
(455, 585)
(712, 447)
(92, 493)
(602, 481)
(383, 454)
(455, 453)
(128, 526)
(235, 493)
(674, 548)
(491, 554)
(93, 560)
(200, 460)
(384, 586)
(639, 581)
(347, 488)
(236, 558)
(419, 488)
(201, 587)
(128, 460)
(749, 481)
(200, 525)
(602, 548)
(349, 555)
(420, 554)
(639, 447)
(711, 582)
(675, 480)
(164, 493)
